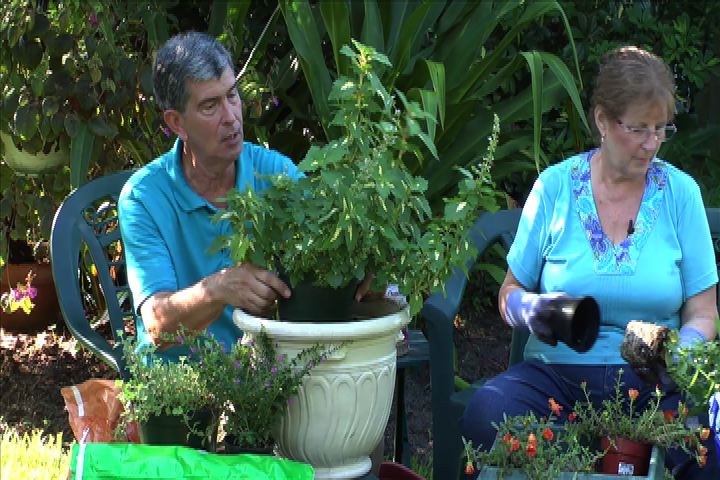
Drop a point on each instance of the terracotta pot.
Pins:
(626, 457)
(46, 311)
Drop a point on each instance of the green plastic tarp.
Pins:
(119, 461)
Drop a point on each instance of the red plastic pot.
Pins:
(625, 457)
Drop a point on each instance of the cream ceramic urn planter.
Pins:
(344, 404)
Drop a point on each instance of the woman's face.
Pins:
(632, 140)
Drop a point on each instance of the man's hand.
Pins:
(363, 288)
(246, 286)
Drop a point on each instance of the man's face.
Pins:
(212, 121)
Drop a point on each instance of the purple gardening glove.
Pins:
(655, 372)
(530, 310)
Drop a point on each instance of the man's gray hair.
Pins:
(192, 56)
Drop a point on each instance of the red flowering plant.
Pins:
(538, 447)
(619, 417)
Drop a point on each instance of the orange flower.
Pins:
(669, 416)
(506, 439)
(633, 394)
(684, 410)
(547, 434)
(469, 469)
(703, 450)
(554, 406)
(572, 416)
(514, 445)
(531, 450)
(532, 439)
(702, 460)
(704, 434)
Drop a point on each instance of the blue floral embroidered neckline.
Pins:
(620, 259)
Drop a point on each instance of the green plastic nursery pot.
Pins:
(625, 457)
(172, 430)
(310, 303)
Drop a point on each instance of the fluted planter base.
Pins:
(343, 406)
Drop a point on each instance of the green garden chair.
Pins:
(84, 243)
(439, 312)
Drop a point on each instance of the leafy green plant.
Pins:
(74, 100)
(694, 368)
(253, 383)
(76, 77)
(157, 387)
(244, 386)
(34, 455)
(618, 417)
(359, 210)
(538, 447)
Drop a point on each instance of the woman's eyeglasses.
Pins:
(641, 134)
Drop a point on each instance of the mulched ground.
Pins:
(33, 368)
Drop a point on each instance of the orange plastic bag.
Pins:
(94, 412)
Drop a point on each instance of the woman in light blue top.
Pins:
(622, 226)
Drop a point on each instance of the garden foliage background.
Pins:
(530, 62)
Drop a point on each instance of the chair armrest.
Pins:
(442, 307)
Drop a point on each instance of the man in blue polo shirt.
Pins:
(165, 208)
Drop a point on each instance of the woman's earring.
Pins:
(602, 139)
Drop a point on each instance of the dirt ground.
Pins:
(34, 368)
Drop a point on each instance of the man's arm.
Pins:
(196, 307)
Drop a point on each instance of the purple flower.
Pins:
(267, 385)
(93, 20)
(180, 339)
(238, 381)
(322, 358)
(17, 294)
(281, 357)
(192, 349)
(275, 101)
(273, 370)
(31, 292)
(166, 131)
(238, 364)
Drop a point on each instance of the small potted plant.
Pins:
(242, 388)
(171, 402)
(627, 435)
(252, 384)
(533, 448)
